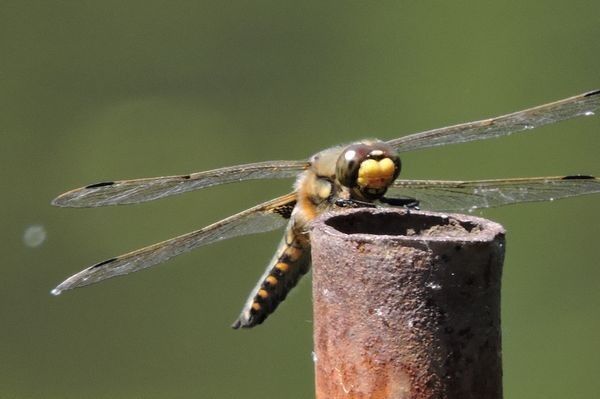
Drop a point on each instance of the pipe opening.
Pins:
(401, 224)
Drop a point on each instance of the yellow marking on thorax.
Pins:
(306, 207)
(312, 191)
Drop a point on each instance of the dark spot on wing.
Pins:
(285, 210)
(102, 184)
(97, 265)
(592, 93)
(578, 177)
(185, 177)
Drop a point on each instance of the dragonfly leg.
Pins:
(353, 203)
(409, 203)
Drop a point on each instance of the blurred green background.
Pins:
(94, 91)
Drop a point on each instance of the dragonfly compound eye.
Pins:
(368, 167)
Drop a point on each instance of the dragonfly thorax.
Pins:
(367, 169)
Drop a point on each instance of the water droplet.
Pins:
(588, 113)
(314, 356)
(433, 286)
(56, 292)
(551, 199)
(34, 235)
(528, 127)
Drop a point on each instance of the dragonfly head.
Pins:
(368, 168)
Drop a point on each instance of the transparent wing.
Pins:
(471, 195)
(264, 217)
(141, 190)
(581, 105)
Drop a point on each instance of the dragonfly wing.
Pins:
(142, 190)
(471, 195)
(264, 217)
(581, 105)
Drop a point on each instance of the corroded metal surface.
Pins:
(407, 305)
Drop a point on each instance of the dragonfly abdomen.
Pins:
(290, 263)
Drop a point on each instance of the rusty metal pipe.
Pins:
(406, 305)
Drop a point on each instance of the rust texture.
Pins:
(407, 305)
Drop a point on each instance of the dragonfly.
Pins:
(363, 173)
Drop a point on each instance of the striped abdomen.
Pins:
(291, 261)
